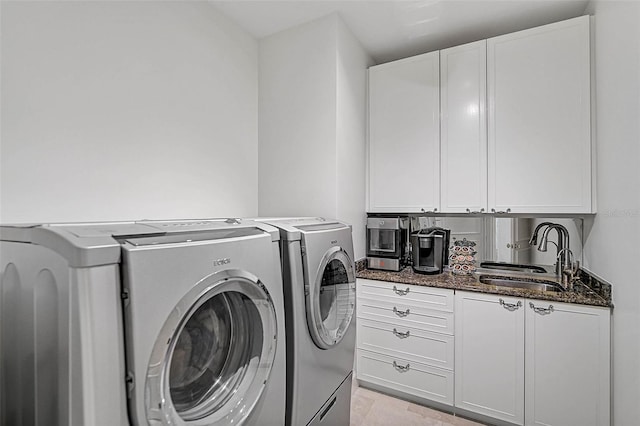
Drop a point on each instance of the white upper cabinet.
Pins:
(539, 123)
(463, 138)
(404, 135)
(502, 124)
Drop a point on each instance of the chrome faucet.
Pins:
(563, 254)
(534, 237)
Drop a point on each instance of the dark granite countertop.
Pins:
(587, 291)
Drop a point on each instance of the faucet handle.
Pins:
(575, 271)
(569, 254)
(571, 269)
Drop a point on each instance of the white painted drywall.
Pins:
(126, 110)
(611, 243)
(351, 135)
(312, 114)
(297, 116)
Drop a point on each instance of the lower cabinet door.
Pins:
(411, 377)
(567, 364)
(489, 355)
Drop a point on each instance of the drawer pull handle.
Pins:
(400, 368)
(511, 306)
(469, 211)
(541, 311)
(401, 314)
(329, 407)
(401, 292)
(401, 335)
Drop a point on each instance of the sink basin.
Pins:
(537, 285)
(505, 266)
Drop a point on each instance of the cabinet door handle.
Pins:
(510, 306)
(430, 211)
(541, 311)
(401, 314)
(401, 292)
(400, 335)
(500, 211)
(469, 211)
(400, 368)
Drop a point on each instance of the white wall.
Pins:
(313, 124)
(611, 243)
(351, 135)
(297, 116)
(126, 110)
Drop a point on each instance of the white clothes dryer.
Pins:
(143, 323)
(319, 284)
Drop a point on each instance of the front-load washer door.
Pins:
(214, 354)
(331, 298)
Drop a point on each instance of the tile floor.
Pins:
(369, 408)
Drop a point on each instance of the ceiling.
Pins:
(393, 29)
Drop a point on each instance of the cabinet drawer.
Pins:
(406, 315)
(426, 297)
(407, 376)
(410, 343)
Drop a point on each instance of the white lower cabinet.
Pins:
(489, 355)
(532, 362)
(567, 361)
(519, 361)
(405, 339)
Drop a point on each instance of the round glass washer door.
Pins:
(331, 300)
(214, 354)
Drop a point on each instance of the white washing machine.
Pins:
(159, 323)
(319, 283)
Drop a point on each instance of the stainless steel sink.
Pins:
(518, 282)
(515, 267)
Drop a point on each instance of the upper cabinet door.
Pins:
(404, 135)
(539, 124)
(463, 138)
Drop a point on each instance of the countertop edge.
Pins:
(467, 283)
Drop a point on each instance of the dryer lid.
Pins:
(94, 244)
(188, 237)
(292, 229)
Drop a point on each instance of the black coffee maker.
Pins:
(430, 250)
